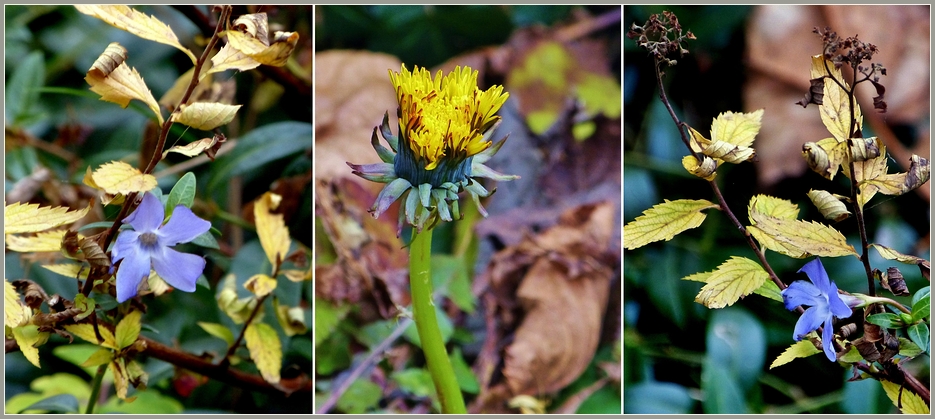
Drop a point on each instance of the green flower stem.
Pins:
(96, 388)
(420, 281)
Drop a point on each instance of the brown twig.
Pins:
(230, 351)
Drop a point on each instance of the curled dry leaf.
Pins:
(829, 205)
(116, 82)
(563, 289)
(208, 146)
(137, 23)
(254, 24)
(275, 54)
(205, 116)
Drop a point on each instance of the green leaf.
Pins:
(62, 403)
(801, 349)
(770, 290)
(920, 294)
(206, 239)
(886, 320)
(183, 193)
(450, 274)
(416, 381)
(218, 331)
(148, 402)
(732, 280)
(361, 396)
(921, 308)
(466, 379)
(128, 330)
(100, 357)
(919, 334)
(261, 146)
(327, 317)
(909, 349)
(664, 221)
(851, 356)
(22, 89)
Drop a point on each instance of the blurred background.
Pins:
(561, 67)
(747, 58)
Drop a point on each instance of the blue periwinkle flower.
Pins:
(825, 304)
(147, 246)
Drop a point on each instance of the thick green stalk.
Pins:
(96, 388)
(423, 310)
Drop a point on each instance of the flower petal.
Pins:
(481, 170)
(802, 293)
(388, 195)
(485, 155)
(133, 269)
(377, 172)
(385, 154)
(817, 274)
(827, 340)
(838, 308)
(810, 320)
(183, 227)
(181, 270)
(128, 241)
(148, 215)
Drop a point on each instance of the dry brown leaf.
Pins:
(116, 82)
(275, 54)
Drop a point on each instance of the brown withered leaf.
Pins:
(562, 292)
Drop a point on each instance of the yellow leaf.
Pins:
(85, 304)
(836, 107)
(218, 331)
(15, 312)
(729, 152)
(825, 156)
(171, 98)
(99, 357)
(911, 403)
(116, 82)
(230, 58)
(119, 177)
(238, 309)
(70, 270)
(121, 380)
(900, 183)
(274, 236)
(830, 207)
(891, 254)
(796, 236)
(86, 331)
(156, 284)
(868, 170)
(106, 198)
(767, 242)
(734, 279)
(260, 285)
(664, 221)
(193, 148)
(738, 129)
(265, 350)
(30, 218)
(46, 241)
(773, 207)
(26, 337)
(291, 319)
(128, 330)
(697, 142)
(296, 275)
(705, 170)
(206, 116)
(276, 54)
(137, 23)
(801, 349)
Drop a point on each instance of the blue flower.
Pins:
(147, 245)
(825, 304)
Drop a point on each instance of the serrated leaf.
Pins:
(137, 23)
(230, 58)
(116, 82)
(271, 228)
(265, 350)
(128, 330)
(801, 349)
(193, 148)
(732, 280)
(218, 331)
(738, 129)
(729, 152)
(276, 54)
(15, 312)
(835, 109)
(46, 241)
(796, 236)
(100, 357)
(825, 156)
(664, 221)
(830, 207)
(119, 177)
(911, 403)
(900, 183)
(205, 115)
(773, 207)
(874, 168)
(86, 331)
(71, 270)
(26, 337)
(31, 218)
(260, 285)
(183, 193)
